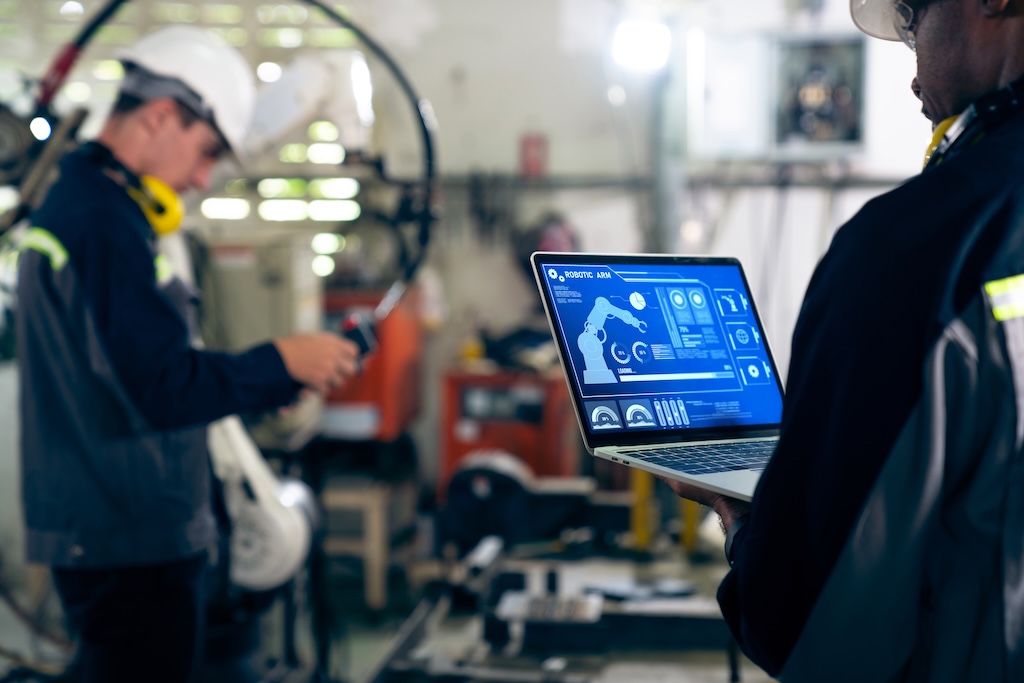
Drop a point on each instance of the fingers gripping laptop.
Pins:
(667, 363)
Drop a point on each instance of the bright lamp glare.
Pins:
(323, 265)
(641, 45)
(284, 210)
(362, 88)
(40, 128)
(334, 188)
(327, 243)
(334, 210)
(268, 72)
(323, 131)
(326, 153)
(9, 198)
(72, 9)
(225, 208)
(282, 188)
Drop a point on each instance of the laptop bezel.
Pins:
(541, 259)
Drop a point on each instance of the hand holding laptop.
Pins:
(729, 509)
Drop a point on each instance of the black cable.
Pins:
(61, 66)
(425, 215)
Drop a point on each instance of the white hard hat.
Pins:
(218, 82)
(877, 18)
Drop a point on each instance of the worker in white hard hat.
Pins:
(114, 398)
(885, 539)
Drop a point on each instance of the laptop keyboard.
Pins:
(708, 458)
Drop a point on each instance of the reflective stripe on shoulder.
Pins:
(46, 244)
(1006, 297)
(164, 269)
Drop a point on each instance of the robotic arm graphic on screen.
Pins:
(591, 340)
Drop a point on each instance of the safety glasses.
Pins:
(905, 23)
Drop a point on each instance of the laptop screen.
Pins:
(659, 344)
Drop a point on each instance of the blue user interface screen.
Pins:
(663, 346)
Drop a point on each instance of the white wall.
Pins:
(496, 70)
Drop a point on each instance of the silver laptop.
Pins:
(667, 363)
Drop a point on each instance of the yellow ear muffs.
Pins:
(160, 203)
(937, 135)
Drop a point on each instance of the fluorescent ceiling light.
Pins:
(334, 210)
(225, 208)
(641, 45)
(284, 210)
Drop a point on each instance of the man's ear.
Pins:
(157, 112)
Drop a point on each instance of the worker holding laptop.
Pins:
(885, 540)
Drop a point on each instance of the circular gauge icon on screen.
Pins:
(605, 417)
(641, 352)
(697, 299)
(677, 298)
(620, 353)
(639, 415)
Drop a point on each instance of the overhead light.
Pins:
(334, 188)
(326, 153)
(225, 208)
(40, 128)
(284, 210)
(9, 198)
(322, 131)
(323, 265)
(334, 210)
(641, 45)
(268, 72)
(281, 188)
(294, 153)
(328, 243)
(72, 9)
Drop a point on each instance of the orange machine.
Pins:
(525, 414)
(380, 402)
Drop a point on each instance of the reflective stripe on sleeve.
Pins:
(164, 269)
(46, 244)
(1006, 297)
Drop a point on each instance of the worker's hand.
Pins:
(322, 361)
(729, 509)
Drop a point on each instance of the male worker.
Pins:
(114, 399)
(885, 541)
